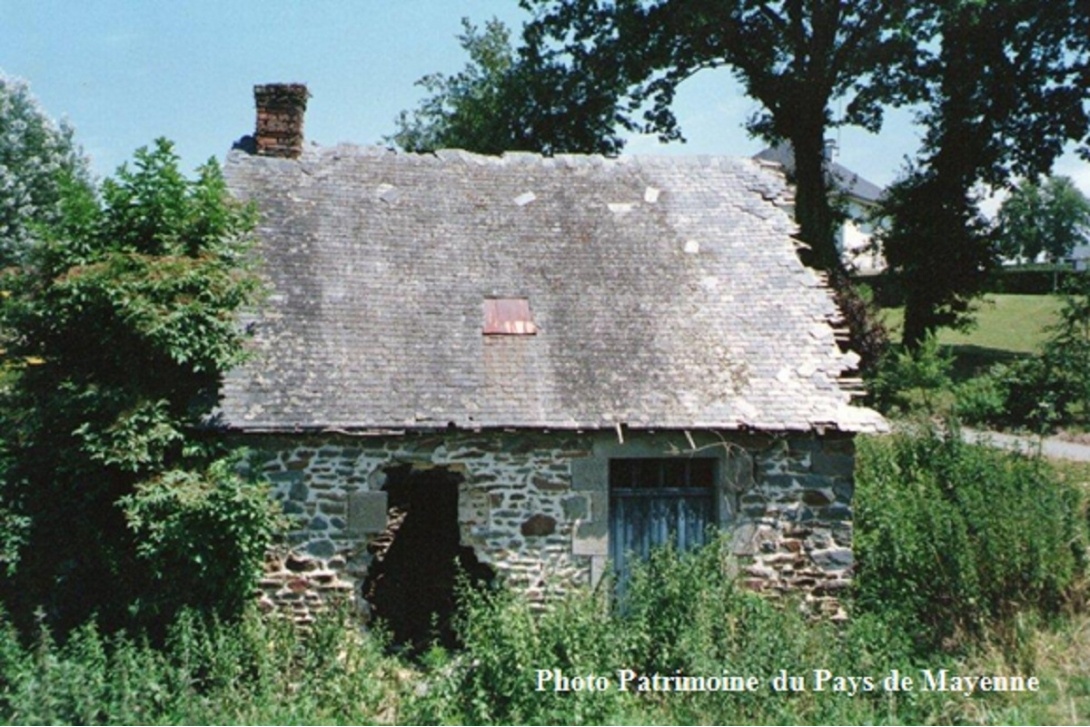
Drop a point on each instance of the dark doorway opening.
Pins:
(411, 583)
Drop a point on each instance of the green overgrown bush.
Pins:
(204, 536)
(1043, 391)
(682, 614)
(951, 538)
(254, 671)
(984, 399)
(1066, 354)
(1017, 394)
(118, 326)
(907, 381)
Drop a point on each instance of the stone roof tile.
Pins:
(682, 308)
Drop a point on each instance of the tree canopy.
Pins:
(511, 99)
(1049, 216)
(37, 158)
(116, 329)
(1006, 87)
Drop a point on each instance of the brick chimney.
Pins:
(280, 111)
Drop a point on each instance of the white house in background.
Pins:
(861, 197)
(1080, 257)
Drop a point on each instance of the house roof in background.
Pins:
(665, 293)
(847, 180)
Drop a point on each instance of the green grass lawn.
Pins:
(1007, 327)
(1012, 323)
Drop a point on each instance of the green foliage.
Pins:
(1052, 388)
(507, 99)
(1016, 394)
(1050, 217)
(939, 249)
(117, 330)
(682, 614)
(257, 671)
(1066, 354)
(204, 536)
(985, 399)
(1011, 116)
(37, 158)
(953, 539)
(907, 381)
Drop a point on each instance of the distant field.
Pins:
(1004, 323)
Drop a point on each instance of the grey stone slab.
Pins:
(590, 474)
(591, 538)
(367, 512)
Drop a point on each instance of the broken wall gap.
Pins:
(411, 584)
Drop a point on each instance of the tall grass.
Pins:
(955, 540)
(964, 554)
(252, 672)
(683, 615)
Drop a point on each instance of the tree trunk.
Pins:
(918, 322)
(813, 211)
(816, 218)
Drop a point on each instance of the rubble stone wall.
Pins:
(534, 506)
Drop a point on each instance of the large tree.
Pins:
(115, 331)
(1049, 216)
(802, 61)
(37, 157)
(527, 98)
(1006, 84)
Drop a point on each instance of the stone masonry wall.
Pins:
(794, 526)
(515, 509)
(534, 507)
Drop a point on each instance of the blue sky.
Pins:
(126, 71)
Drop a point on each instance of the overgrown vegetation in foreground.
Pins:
(970, 560)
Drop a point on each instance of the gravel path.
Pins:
(1050, 446)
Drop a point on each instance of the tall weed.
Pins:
(681, 615)
(254, 671)
(953, 538)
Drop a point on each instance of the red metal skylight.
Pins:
(508, 317)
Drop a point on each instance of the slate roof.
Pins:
(847, 180)
(666, 293)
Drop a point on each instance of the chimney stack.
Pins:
(280, 111)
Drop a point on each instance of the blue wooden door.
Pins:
(658, 501)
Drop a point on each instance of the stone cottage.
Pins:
(536, 367)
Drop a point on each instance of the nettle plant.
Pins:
(117, 330)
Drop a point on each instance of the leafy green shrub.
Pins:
(118, 325)
(204, 537)
(681, 615)
(1042, 391)
(1066, 354)
(252, 671)
(906, 381)
(954, 537)
(983, 399)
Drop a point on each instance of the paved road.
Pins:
(1050, 446)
